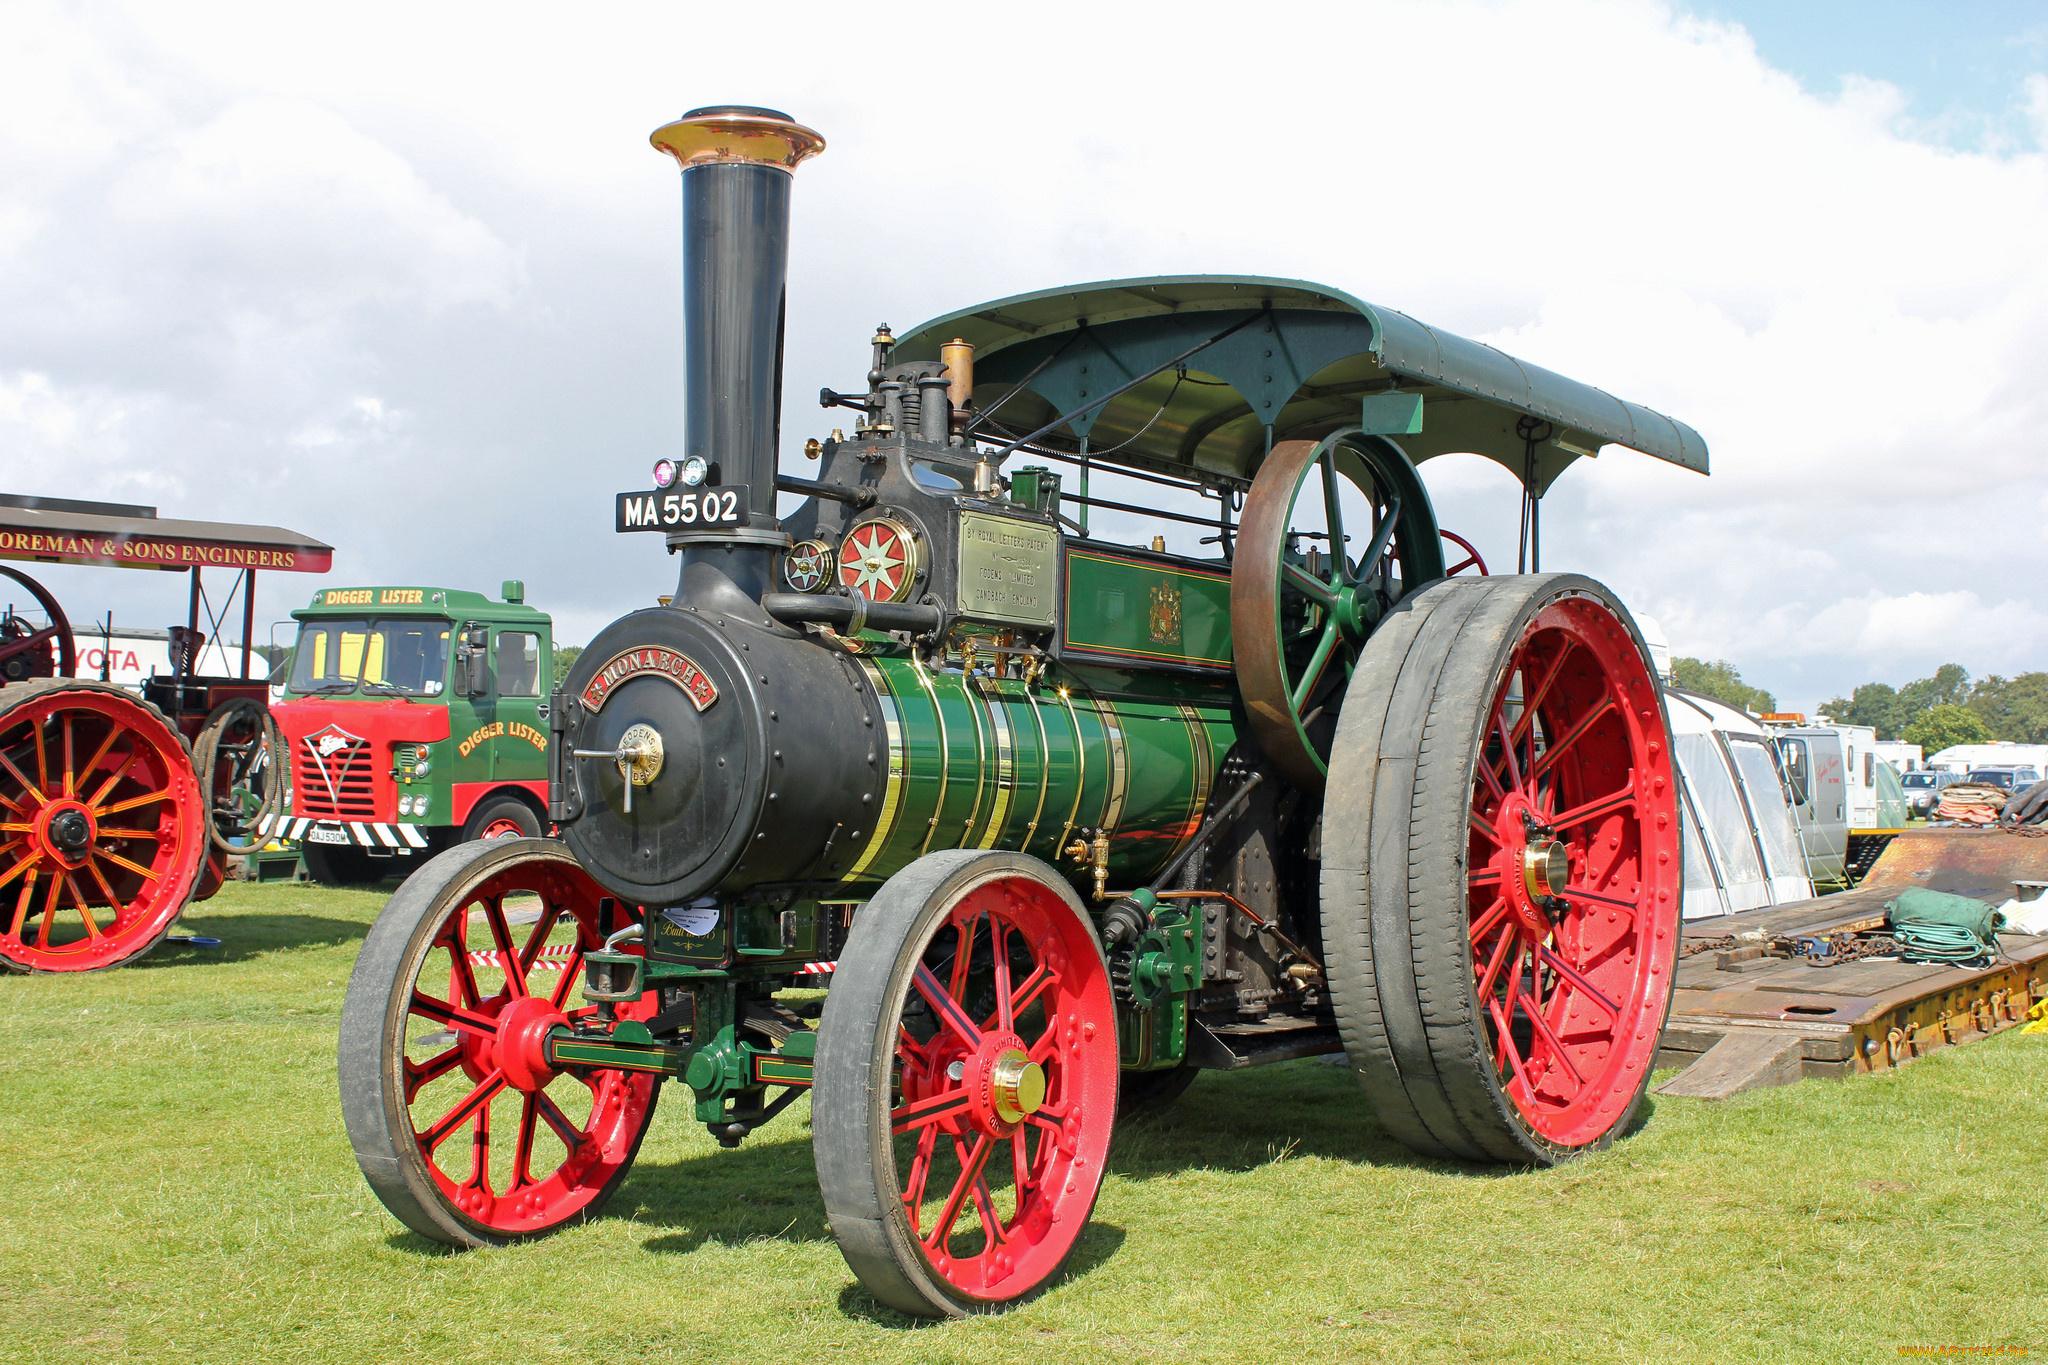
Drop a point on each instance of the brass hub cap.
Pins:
(1016, 1086)
(1545, 868)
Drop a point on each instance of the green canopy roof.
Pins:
(1305, 368)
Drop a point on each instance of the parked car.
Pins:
(1923, 789)
(2011, 779)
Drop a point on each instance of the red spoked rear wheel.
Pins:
(1573, 887)
(1504, 998)
(966, 1084)
(458, 1121)
(102, 826)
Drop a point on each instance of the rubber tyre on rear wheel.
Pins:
(1490, 1011)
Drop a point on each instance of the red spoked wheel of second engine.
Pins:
(1520, 995)
(102, 825)
(460, 1123)
(966, 1084)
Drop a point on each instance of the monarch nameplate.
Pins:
(1007, 569)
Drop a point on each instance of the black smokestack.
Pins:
(736, 163)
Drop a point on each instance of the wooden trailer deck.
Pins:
(1747, 1015)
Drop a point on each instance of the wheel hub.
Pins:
(1016, 1086)
(523, 1027)
(67, 831)
(1545, 866)
(1536, 865)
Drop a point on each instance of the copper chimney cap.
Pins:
(737, 133)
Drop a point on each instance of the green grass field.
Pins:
(175, 1186)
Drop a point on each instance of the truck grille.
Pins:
(346, 768)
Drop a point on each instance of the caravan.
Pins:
(1742, 843)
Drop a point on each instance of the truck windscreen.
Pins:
(406, 658)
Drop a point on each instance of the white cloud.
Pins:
(228, 223)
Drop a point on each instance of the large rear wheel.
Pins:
(102, 825)
(966, 1084)
(458, 1122)
(1501, 869)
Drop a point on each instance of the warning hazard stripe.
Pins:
(549, 959)
(367, 834)
(817, 969)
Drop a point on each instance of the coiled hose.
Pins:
(1939, 942)
(250, 715)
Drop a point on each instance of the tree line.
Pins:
(1933, 712)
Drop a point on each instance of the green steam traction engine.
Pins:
(1058, 820)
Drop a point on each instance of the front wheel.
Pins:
(459, 1123)
(966, 1084)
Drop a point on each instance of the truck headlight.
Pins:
(421, 768)
(405, 805)
(419, 805)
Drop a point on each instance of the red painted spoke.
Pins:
(971, 1163)
(92, 928)
(1556, 1047)
(49, 910)
(948, 1008)
(1021, 1173)
(1492, 836)
(1485, 876)
(1571, 737)
(476, 1101)
(70, 775)
(100, 812)
(21, 777)
(1312, 672)
(572, 972)
(1311, 587)
(108, 832)
(441, 1012)
(1577, 981)
(42, 760)
(1511, 764)
(1593, 810)
(1048, 1042)
(985, 1206)
(1542, 693)
(999, 939)
(28, 892)
(572, 1137)
(1492, 779)
(461, 971)
(419, 1074)
(920, 1175)
(1035, 985)
(99, 877)
(522, 1146)
(1501, 952)
(963, 958)
(1573, 893)
(932, 1109)
(509, 961)
(1504, 1046)
(550, 916)
(119, 861)
(480, 1152)
(1491, 917)
(114, 732)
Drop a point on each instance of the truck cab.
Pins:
(415, 720)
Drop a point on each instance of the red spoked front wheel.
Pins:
(1515, 1012)
(102, 825)
(458, 1121)
(966, 1084)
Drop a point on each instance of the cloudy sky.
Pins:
(406, 277)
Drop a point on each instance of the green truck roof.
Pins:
(411, 600)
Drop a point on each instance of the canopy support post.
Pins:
(248, 615)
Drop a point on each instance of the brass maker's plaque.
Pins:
(1007, 569)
